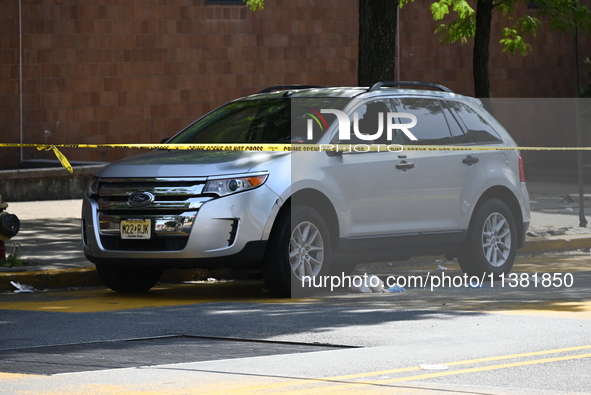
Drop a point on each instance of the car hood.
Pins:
(172, 163)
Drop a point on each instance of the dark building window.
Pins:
(224, 2)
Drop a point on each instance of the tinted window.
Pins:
(241, 122)
(477, 127)
(260, 121)
(431, 127)
(458, 135)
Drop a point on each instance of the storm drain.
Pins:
(141, 352)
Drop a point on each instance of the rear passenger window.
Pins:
(457, 133)
(478, 128)
(431, 127)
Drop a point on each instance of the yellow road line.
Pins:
(441, 374)
(341, 379)
(16, 376)
(571, 310)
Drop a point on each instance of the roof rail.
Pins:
(285, 87)
(391, 84)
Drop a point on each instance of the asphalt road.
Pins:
(523, 337)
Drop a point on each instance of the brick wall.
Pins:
(9, 83)
(136, 71)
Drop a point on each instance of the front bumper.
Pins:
(226, 231)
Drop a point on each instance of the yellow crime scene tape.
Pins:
(283, 148)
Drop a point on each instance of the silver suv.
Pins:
(303, 213)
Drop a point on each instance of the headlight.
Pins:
(227, 186)
(92, 187)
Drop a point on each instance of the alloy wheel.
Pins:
(496, 239)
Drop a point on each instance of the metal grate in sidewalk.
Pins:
(141, 352)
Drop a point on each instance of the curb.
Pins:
(44, 279)
(556, 243)
(86, 277)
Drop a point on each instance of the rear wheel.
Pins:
(298, 250)
(491, 243)
(129, 279)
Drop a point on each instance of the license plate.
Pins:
(136, 229)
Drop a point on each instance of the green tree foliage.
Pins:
(463, 27)
(255, 5)
(472, 20)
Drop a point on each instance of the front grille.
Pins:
(172, 211)
(155, 244)
(169, 194)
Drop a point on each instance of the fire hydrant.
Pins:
(9, 226)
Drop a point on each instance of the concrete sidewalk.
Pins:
(50, 237)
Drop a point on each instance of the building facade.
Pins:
(137, 71)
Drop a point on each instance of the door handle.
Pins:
(404, 165)
(470, 160)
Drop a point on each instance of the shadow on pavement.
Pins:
(49, 243)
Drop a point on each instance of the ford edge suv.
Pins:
(400, 169)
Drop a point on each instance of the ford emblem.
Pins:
(140, 199)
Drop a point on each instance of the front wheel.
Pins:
(298, 251)
(491, 244)
(129, 279)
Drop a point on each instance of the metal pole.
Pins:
(397, 63)
(20, 73)
(582, 220)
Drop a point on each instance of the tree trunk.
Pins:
(377, 41)
(481, 54)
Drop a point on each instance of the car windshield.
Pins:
(277, 120)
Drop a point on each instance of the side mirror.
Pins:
(164, 140)
(334, 153)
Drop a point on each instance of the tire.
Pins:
(299, 246)
(129, 279)
(491, 244)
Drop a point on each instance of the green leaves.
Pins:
(564, 15)
(513, 41)
(255, 5)
(440, 9)
(461, 28)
